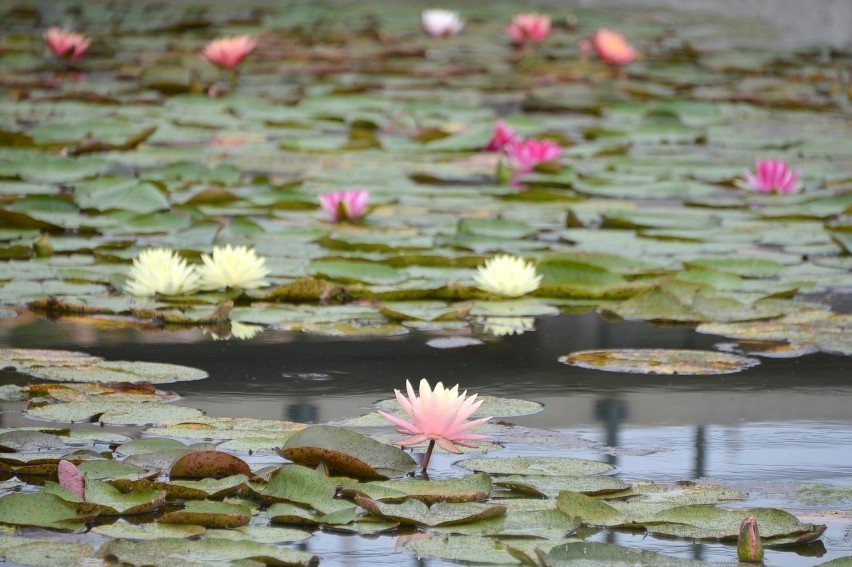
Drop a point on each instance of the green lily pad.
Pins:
(261, 534)
(48, 553)
(41, 510)
(551, 466)
(29, 441)
(176, 551)
(550, 486)
(465, 489)
(660, 361)
(475, 549)
(209, 514)
(591, 554)
(298, 484)
(590, 510)
(545, 524)
(119, 371)
(110, 500)
(346, 452)
(113, 412)
(205, 464)
(414, 512)
(139, 532)
(208, 428)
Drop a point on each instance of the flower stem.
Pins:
(428, 454)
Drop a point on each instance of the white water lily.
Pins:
(236, 266)
(161, 270)
(502, 326)
(441, 23)
(509, 276)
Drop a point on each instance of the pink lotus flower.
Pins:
(530, 27)
(441, 23)
(228, 52)
(504, 135)
(524, 156)
(773, 175)
(438, 416)
(64, 43)
(612, 47)
(345, 205)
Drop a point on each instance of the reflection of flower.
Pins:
(773, 175)
(441, 23)
(504, 136)
(524, 156)
(502, 326)
(438, 416)
(531, 27)
(244, 332)
(64, 43)
(161, 270)
(509, 276)
(236, 266)
(612, 47)
(345, 205)
(228, 52)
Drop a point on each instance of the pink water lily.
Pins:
(345, 205)
(438, 416)
(228, 52)
(774, 175)
(529, 28)
(63, 43)
(524, 156)
(504, 135)
(612, 47)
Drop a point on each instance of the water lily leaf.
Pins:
(287, 513)
(141, 198)
(110, 500)
(137, 532)
(29, 441)
(551, 466)
(114, 412)
(209, 514)
(298, 484)
(549, 486)
(607, 554)
(204, 464)
(48, 553)
(41, 510)
(351, 271)
(590, 510)
(175, 551)
(741, 266)
(547, 524)
(414, 512)
(465, 489)
(103, 469)
(497, 228)
(203, 427)
(492, 406)
(148, 445)
(708, 522)
(118, 371)
(56, 169)
(475, 549)
(261, 534)
(660, 361)
(189, 489)
(346, 452)
(423, 311)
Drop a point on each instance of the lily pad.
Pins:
(138, 532)
(176, 551)
(660, 361)
(414, 512)
(113, 412)
(346, 452)
(41, 510)
(205, 464)
(551, 466)
(209, 514)
(466, 489)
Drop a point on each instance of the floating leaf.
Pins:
(660, 361)
(209, 514)
(127, 531)
(41, 510)
(550, 486)
(466, 489)
(204, 464)
(554, 466)
(113, 412)
(346, 452)
(174, 551)
(415, 512)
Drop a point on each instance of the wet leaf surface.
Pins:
(660, 361)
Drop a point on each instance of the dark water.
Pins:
(767, 429)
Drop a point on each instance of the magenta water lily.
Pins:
(773, 176)
(438, 416)
(529, 28)
(345, 205)
(504, 135)
(524, 156)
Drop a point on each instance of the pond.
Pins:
(514, 207)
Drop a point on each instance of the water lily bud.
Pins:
(749, 547)
(42, 246)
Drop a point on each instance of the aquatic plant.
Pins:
(237, 266)
(773, 175)
(613, 47)
(63, 43)
(504, 135)
(529, 28)
(524, 156)
(161, 270)
(228, 52)
(441, 23)
(749, 546)
(439, 416)
(345, 205)
(509, 276)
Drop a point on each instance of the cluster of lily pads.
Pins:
(194, 489)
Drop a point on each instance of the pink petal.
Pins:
(409, 428)
(447, 445)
